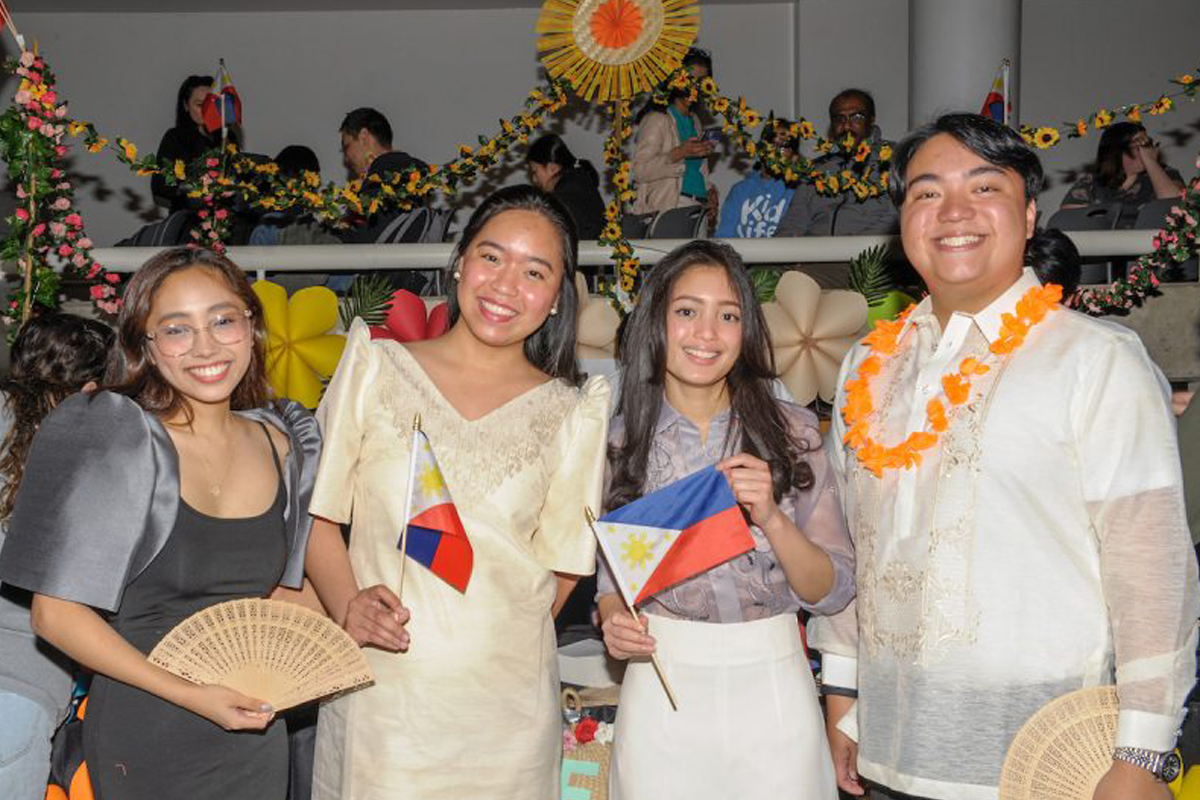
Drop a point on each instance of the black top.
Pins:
(1087, 191)
(140, 747)
(580, 194)
(179, 144)
(366, 230)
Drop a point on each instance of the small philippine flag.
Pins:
(436, 537)
(675, 533)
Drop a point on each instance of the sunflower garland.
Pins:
(1047, 136)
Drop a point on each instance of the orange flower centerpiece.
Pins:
(956, 386)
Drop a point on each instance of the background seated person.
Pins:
(757, 202)
(851, 114)
(367, 151)
(554, 168)
(1128, 170)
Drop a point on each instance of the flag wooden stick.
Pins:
(412, 480)
(662, 676)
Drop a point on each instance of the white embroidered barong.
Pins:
(1040, 547)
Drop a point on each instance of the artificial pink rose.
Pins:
(221, 213)
(21, 193)
(211, 162)
(569, 742)
(58, 229)
(74, 220)
(50, 97)
(60, 151)
(61, 111)
(85, 244)
(34, 123)
(22, 214)
(65, 250)
(93, 271)
(13, 304)
(56, 174)
(112, 277)
(22, 97)
(61, 204)
(38, 229)
(71, 235)
(79, 260)
(202, 213)
(97, 292)
(34, 76)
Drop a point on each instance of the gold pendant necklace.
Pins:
(214, 486)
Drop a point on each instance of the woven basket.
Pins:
(1064, 749)
(585, 767)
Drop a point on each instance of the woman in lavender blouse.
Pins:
(697, 367)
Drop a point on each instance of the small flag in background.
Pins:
(673, 534)
(997, 104)
(222, 106)
(436, 537)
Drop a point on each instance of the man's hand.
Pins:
(843, 749)
(1124, 781)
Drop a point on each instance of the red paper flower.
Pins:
(407, 320)
(585, 730)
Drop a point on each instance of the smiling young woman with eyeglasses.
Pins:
(179, 486)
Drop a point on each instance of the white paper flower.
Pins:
(604, 733)
(811, 331)
(596, 334)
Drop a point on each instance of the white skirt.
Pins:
(748, 726)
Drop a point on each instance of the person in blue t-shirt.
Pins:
(757, 202)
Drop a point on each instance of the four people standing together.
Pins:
(1000, 487)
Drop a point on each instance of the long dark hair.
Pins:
(756, 419)
(182, 118)
(549, 148)
(551, 348)
(1114, 142)
(53, 356)
(130, 370)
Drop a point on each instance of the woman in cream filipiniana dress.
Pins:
(469, 708)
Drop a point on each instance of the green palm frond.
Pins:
(870, 276)
(369, 297)
(764, 280)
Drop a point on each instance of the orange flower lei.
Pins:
(956, 386)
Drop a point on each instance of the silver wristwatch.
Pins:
(1164, 766)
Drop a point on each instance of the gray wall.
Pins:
(444, 76)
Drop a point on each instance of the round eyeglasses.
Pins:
(175, 339)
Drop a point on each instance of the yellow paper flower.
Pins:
(1161, 106)
(180, 170)
(129, 148)
(1134, 113)
(806, 129)
(811, 331)
(300, 350)
(1186, 78)
(1103, 119)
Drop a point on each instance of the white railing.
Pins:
(360, 257)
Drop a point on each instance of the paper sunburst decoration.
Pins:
(613, 49)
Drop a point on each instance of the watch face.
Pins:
(1171, 767)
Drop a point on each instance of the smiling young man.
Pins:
(1012, 483)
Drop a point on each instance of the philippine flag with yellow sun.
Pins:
(436, 537)
(670, 535)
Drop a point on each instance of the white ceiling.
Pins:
(210, 6)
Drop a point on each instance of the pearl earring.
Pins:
(457, 275)
(553, 310)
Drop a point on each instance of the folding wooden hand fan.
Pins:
(1064, 749)
(275, 651)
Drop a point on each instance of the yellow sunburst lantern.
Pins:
(613, 49)
(301, 352)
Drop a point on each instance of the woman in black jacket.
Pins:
(554, 169)
(187, 141)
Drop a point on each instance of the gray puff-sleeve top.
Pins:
(100, 494)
